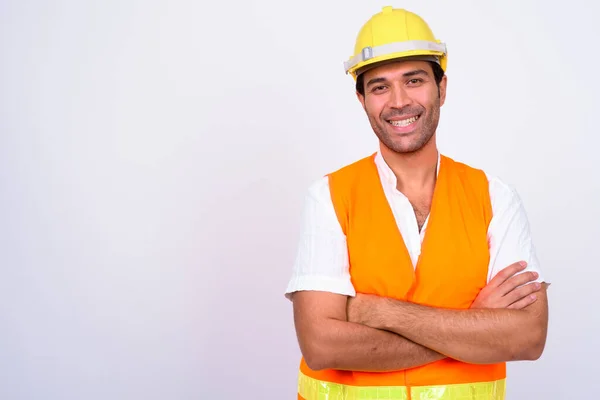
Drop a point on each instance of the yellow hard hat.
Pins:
(394, 33)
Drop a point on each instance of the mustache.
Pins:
(403, 112)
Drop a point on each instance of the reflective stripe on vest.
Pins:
(314, 389)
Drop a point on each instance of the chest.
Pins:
(421, 206)
(403, 252)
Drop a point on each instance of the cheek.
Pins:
(374, 107)
(432, 101)
(426, 98)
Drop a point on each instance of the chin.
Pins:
(406, 150)
(404, 146)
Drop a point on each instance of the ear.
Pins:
(361, 98)
(443, 84)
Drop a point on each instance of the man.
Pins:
(416, 276)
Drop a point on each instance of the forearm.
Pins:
(473, 335)
(348, 346)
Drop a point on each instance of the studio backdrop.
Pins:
(155, 156)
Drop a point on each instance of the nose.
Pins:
(399, 97)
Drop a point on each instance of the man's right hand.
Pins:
(508, 289)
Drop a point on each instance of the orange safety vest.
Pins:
(451, 270)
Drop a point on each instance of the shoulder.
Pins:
(463, 168)
(465, 174)
(500, 190)
(329, 196)
(503, 194)
(472, 179)
(353, 168)
(508, 211)
(319, 188)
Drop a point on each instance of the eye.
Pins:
(378, 88)
(415, 81)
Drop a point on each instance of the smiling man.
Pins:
(416, 276)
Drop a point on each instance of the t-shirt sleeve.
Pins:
(509, 233)
(321, 261)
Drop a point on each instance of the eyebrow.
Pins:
(415, 72)
(405, 75)
(376, 80)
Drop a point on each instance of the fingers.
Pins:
(506, 273)
(522, 292)
(518, 280)
(524, 302)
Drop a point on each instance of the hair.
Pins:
(438, 74)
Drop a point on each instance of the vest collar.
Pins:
(388, 175)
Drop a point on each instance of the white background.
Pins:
(154, 156)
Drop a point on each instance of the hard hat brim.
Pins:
(376, 64)
(395, 51)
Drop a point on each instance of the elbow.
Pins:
(315, 363)
(317, 359)
(538, 343)
(532, 353)
(317, 355)
(533, 349)
(536, 349)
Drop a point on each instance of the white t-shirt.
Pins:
(322, 256)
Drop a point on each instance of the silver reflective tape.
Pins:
(390, 48)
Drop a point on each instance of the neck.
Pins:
(414, 171)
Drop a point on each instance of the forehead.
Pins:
(396, 69)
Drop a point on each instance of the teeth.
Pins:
(404, 122)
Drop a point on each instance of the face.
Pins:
(402, 101)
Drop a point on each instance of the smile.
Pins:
(404, 122)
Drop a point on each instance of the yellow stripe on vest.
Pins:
(466, 391)
(314, 389)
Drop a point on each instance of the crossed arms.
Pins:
(507, 322)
